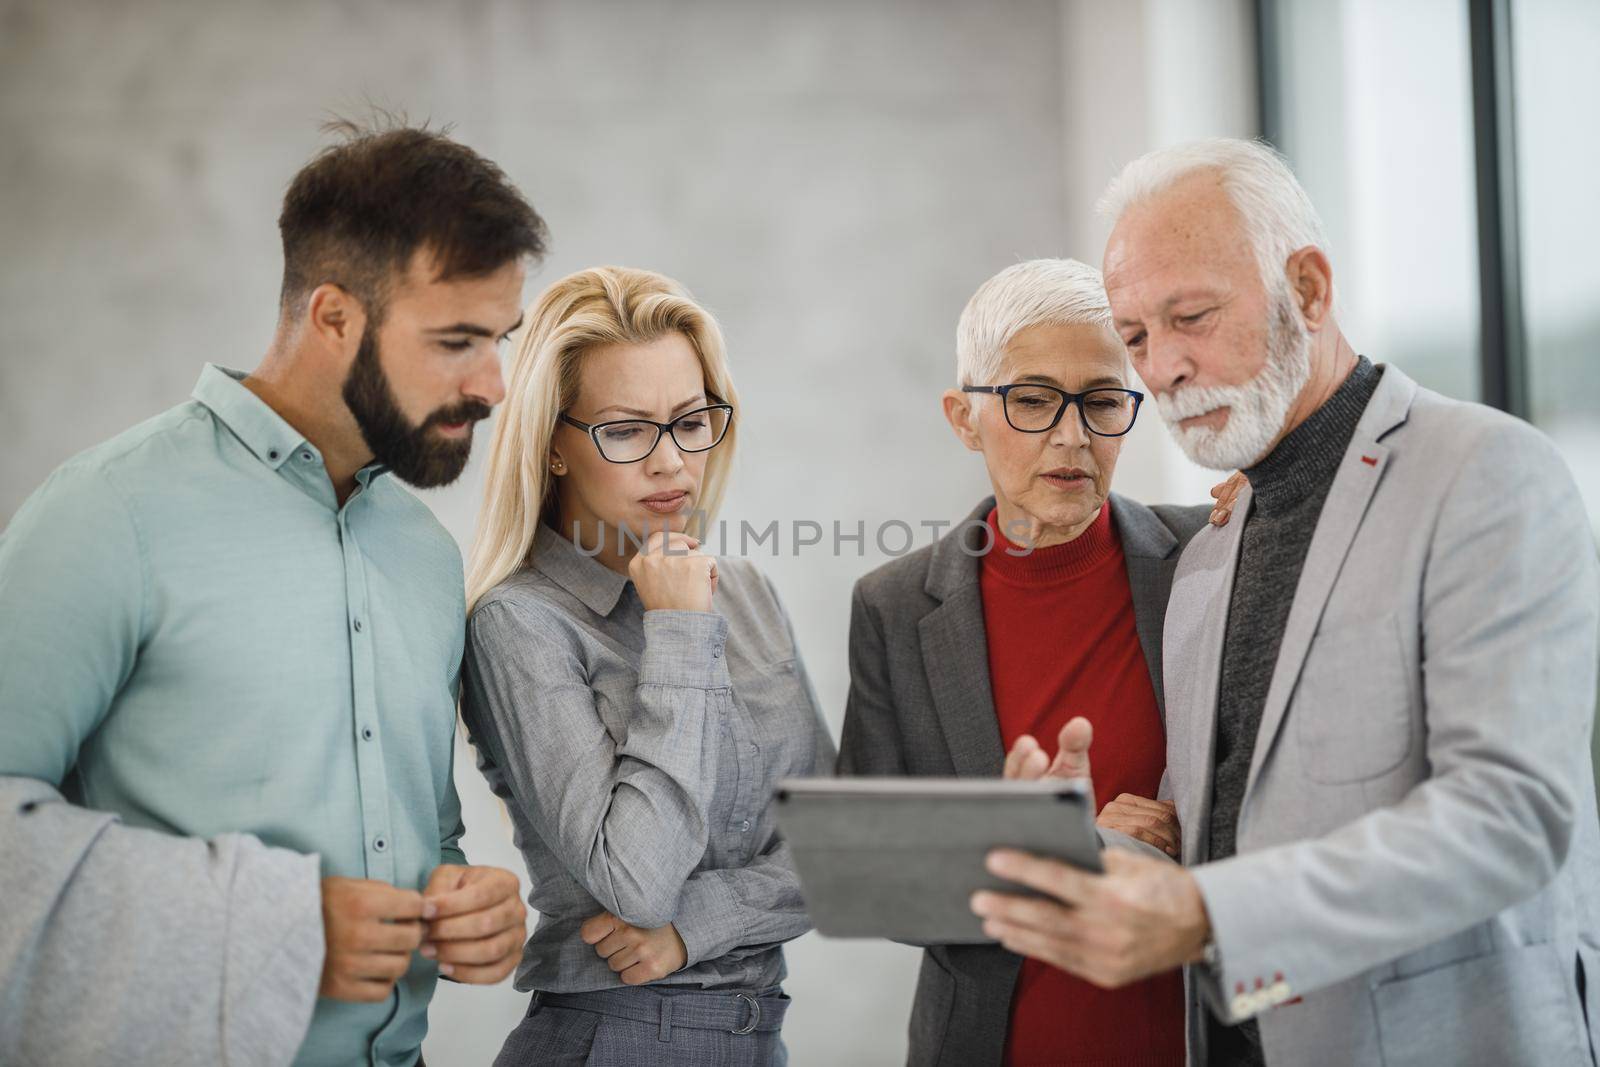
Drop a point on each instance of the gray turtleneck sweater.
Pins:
(1288, 489)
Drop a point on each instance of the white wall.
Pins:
(832, 179)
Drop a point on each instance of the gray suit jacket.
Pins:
(920, 704)
(125, 945)
(1418, 878)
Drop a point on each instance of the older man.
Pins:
(1380, 685)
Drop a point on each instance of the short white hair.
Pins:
(1278, 217)
(1038, 292)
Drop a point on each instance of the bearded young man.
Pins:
(229, 648)
(1380, 684)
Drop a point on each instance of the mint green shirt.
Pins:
(196, 636)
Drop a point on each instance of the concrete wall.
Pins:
(832, 179)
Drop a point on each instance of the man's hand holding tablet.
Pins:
(1140, 917)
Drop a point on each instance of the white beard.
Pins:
(1257, 410)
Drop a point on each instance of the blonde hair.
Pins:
(594, 307)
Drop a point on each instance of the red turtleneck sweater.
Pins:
(1062, 643)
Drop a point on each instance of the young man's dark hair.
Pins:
(356, 217)
(357, 213)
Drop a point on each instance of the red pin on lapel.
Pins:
(1371, 461)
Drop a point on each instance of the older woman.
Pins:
(633, 700)
(1042, 609)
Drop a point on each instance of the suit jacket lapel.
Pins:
(1342, 513)
(1196, 625)
(955, 654)
(1147, 550)
(957, 660)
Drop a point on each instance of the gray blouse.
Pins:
(638, 753)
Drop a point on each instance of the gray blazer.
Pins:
(1418, 877)
(90, 969)
(920, 704)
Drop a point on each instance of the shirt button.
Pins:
(307, 457)
(272, 453)
(716, 653)
(357, 625)
(744, 827)
(380, 844)
(366, 733)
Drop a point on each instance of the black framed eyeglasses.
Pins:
(1034, 408)
(631, 440)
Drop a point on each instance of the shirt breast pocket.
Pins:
(1351, 710)
(774, 698)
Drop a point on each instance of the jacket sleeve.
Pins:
(190, 952)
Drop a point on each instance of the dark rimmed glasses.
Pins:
(1034, 408)
(631, 440)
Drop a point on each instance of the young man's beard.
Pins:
(415, 454)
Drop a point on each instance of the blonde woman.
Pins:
(632, 699)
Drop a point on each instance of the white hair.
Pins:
(1277, 215)
(1038, 292)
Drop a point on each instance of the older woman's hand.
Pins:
(1027, 760)
(1155, 822)
(1224, 495)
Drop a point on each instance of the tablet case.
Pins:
(901, 857)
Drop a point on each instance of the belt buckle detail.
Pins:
(755, 1014)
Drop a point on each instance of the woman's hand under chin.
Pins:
(671, 574)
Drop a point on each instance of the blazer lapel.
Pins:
(957, 659)
(1342, 513)
(1196, 625)
(955, 654)
(1147, 550)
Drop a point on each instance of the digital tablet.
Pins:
(901, 857)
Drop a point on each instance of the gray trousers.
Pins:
(650, 1026)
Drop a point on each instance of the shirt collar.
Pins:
(262, 430)
(598, 586)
